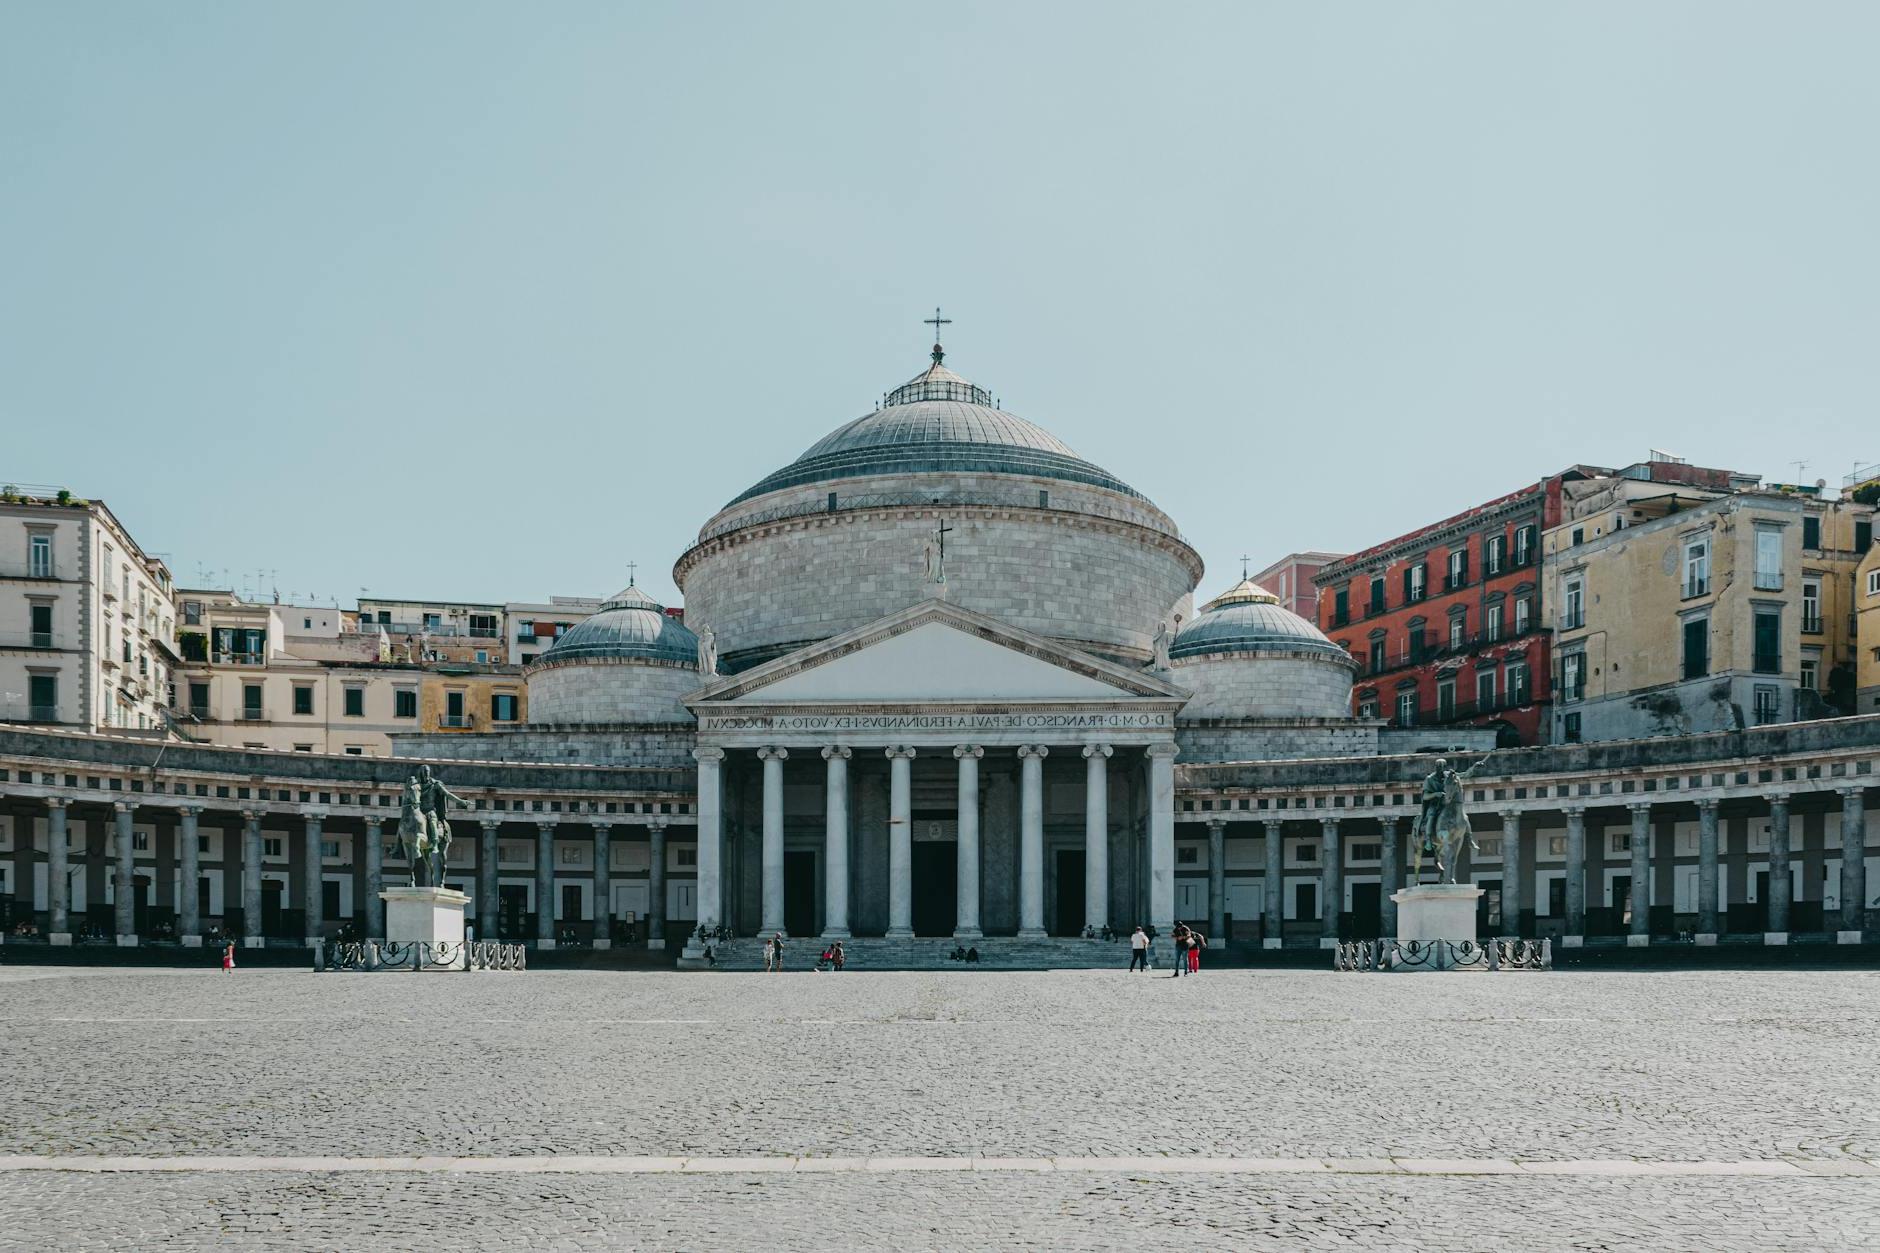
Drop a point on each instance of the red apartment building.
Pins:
(1290, 579)
(1445, 622)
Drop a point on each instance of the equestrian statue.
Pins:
(1442, 827)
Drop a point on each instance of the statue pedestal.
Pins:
(425, 916)
(1436, 911)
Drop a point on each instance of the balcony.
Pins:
(457, 722)
(484, 633)
(239, 659)
(32, 713)
(30, 569)
(1811, 624)
(526, 638)
(1406, 657)
(254, 715)
(1464, 710)
(201, 713)
(413, 628)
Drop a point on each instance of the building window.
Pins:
(1416, 651)
(688, 856)
(1573, 676)
(1493, 553)
(1367, 708)
(1458, 630)
(1873, 582)
(1341, 606)
(42, 626)
(1768, 559)
(483, 657)
(503, 707)
(1811, 607)
(1377, 655)
(199, 700)
(39, 557)
(329, 848)
(1697, 567)
(1407, 709)
(1768, 705)
(1579, 536)
(1491, 622)
(1417, 581)
(355, 750)
(1811, 674)
(1523, 613)
(405, 703)
(1523, 545)
(355, 702)
(1573, 598)
(1557, 845)
(1570, 734)
(1768, 652)
(1377, 595)
(454, 715)
(303, 701)
(1484, 689)
(140, 841)
(1515, 681)
(251, 701)
(1445, 700)
(1696, 647)
(1811, 534)
(1458, 569)
(1188, 856)
(270, 848)
(1621, 841)
(570, 856)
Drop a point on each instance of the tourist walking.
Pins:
(770, 956)
(228, 958)
(776, 952)
(1139, 951)
(839, 956)
(1181, 949)
(1196, 942)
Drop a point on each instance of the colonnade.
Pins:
(968, 856)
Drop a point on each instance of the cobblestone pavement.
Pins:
(1549, 1067)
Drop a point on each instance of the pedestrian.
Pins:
(1139, 951)
(776, 952)
(1181, 949)
(1196, 942)
(770, 956)
(840, 955)
(228, 958)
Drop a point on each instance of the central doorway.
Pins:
(799, 892)
(936, 886)
(1070, 892)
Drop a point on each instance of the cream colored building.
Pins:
(1680, 614)
(532, 627)
(1867, 631)
(289, 678)
(458, 697)
(86, 617)
(438, 630)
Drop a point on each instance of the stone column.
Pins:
(1331, 882)
(1780, 890)
(773, 759)
(489, 890)
(1853, 865)
(1576, 877)
(310, 887)
(1641, 929)
(189, 878)
(603, 883)
(375, 877)
(1274, 888)
(1217, 881)
(1031, 841)
(900, 843)
(1162, 837)
(1707, 925)
(966, 926)
(1097, 836)
(1391, 873)
(124, 879)
(836, 844)
(545, 884)
(711, 836)
(656, 886)
(251, 879)
(58, 875)
(1513, 873)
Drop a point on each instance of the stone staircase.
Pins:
(933, 953)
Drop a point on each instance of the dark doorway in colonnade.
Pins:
(271, 892)
(1366, 910)
(936, 885)
(1070, 892)
(799, 892)
(140, 905)
(512, 914)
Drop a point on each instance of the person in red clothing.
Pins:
(228, 958)
(1196, 942)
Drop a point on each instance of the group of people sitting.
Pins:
(961, 953)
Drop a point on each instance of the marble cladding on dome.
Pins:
(1056, 575)
(609, 692)
(1257, 685)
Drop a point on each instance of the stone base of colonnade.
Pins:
(936, 953)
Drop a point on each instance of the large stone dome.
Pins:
(1035, 535)
(628, 663)
(1247, 656)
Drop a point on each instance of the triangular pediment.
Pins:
(936, 653)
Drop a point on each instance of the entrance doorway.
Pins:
(140, 905)
(1367, 910)
(1305, 902)
(271, 891)
(799, 892)
(513, 912)
(936, 884)
(1070, 892)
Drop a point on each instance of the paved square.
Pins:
(1074, 1110)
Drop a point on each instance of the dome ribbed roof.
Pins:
(938, 422)
(630, 624)
(1249, 619)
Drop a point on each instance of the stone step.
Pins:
(995, 953)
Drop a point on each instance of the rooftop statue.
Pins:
(707, 653)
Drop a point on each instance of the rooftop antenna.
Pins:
(1799, 467)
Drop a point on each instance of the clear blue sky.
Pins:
(485, 301)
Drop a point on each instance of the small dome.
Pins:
(629, 625)
(1249, 619)
(938, 423)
